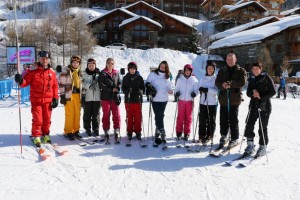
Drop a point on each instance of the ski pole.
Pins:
(142, 121)
(195, 130)
(246, 122)
(18, 66)
(228, 111)
(262, 132)
(209, 125)
(150, 117)
(175, 118)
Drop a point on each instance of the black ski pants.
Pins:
(207, 121)
(91, 115)
(249, 131)
(159, 112)
(233, 121)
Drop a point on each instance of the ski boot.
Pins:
(77, 135)
(46, 139)
(69, 136)
(106, 135)
(117, 136)
(250, 148)
(88, 132)
(261, 151)
(36, 141)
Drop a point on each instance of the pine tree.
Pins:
(193, 41)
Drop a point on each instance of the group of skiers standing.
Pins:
(93, 89)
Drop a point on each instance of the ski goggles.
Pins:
(44, 54)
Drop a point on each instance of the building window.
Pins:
(179, 39)
(115, 24)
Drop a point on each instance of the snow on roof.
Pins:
(231, 8)
(88, 13)
(241, 28)
(289, 12)
(120, 9)
(127, 21)
(257, 34)
(161, 11)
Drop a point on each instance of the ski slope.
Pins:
(119, 172)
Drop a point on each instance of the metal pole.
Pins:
(18, 66)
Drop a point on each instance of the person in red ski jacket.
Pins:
(43, 96)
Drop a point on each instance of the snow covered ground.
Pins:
(118, 172)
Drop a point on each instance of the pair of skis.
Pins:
(142, 143)
(221, 150)
(243, 160)
(44, 154)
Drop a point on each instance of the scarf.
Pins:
(75, 76)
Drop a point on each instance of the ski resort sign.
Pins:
(27, 55)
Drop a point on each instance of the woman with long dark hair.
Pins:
(158, 88)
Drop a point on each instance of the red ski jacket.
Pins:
(43, 84)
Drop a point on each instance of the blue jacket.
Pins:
(282, 82)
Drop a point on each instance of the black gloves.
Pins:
(63, 99)
(150, 90)
(204, 90)
(177, 94)
(54, 103)
(193, 94)
(18, 79)
(82, 100)
(117, 98)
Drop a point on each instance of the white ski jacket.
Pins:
(211, 97)
(161, 84)
(186, 86)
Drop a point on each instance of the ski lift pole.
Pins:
(18, 67)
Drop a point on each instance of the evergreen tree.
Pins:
(192, 41)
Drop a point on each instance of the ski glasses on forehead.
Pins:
(44, 54)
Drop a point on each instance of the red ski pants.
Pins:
(134, 117)
(41, 119)
(184, 118)
(107, 108)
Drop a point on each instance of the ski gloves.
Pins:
(193, 94)
(18, 79)
(63, 99)
(202, 89)
(54, 103)
(177, 94)
(135, 91)
(150, 90)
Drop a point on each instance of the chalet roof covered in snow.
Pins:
(127, 21)
(290, 12)
(257, 34)
(231, 8)
(114, 10)
(243, 27)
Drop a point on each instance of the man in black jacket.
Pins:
(229, 81)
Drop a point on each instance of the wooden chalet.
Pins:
(283, 41)
(140, 23)
(233, 15)
(188, 8)
(211, 7)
